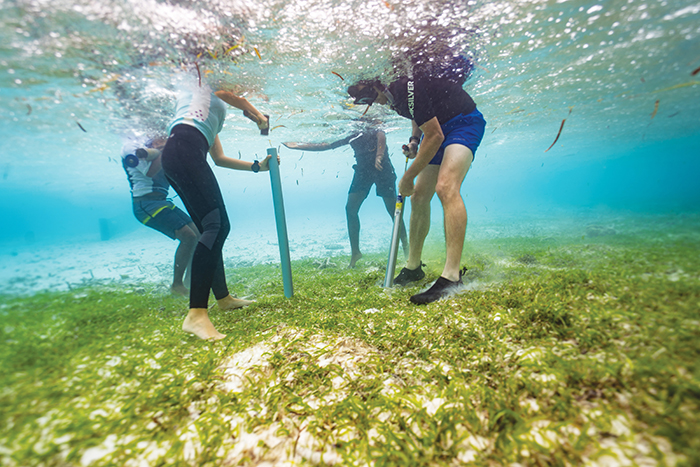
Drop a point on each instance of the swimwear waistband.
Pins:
(186, 130)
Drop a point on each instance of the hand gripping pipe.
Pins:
(394, 249)
(281, 221)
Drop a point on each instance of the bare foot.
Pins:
(354, 258)
(179, 290)
(231, 303)
(197, 322)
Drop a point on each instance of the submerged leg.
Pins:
(352, 213)
(188, 237)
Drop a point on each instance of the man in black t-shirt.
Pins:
(447, 129)
(373, 168)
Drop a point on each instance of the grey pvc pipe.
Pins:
(281, 221)
(394, 248)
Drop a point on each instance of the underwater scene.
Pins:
(303, 295)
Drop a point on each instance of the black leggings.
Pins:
(185, 165)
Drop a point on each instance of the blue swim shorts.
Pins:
(467, 130)
(161, 215)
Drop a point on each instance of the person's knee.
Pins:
(215, 228)
(187, 235)
(421, 198)
(447, 192)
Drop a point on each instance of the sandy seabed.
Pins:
(146, 257)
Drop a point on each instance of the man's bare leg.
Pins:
(198, 323)
(352, 214)
(188, 237)
(453, 170)
(420, 214)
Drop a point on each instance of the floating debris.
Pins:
(199, 74)
(678, 86)
(559, 133)
(29, 111)
(257, 53)
(336, 74)
(278, 126)
(80, 126)
(674, 114)
(695, 71)
(656, 109)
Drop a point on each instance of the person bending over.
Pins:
(193, 133)
(373, 167)
(447, 128)
(141, 159)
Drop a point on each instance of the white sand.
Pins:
(145, 257)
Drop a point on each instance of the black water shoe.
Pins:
(440, 289)
(406, 276)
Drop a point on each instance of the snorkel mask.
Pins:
(365, 96)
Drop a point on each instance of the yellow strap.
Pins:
(158, 211)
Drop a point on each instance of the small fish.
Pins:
(257, 53)
(674, 114)
(239, 154)
(302, 156)
(302, 171)
(297, 182)
(642, 80)
(29, 111)
(244, 189)
(695, 72)
(278, 126)
(656, 109)
(80, 126)
(559, 133)
(336, 74)
(494, 130)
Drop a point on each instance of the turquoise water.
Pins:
(109, 67)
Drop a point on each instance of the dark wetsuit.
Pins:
(199, 118)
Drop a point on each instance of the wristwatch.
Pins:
(255, 167)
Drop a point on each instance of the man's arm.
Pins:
(318, 146)
(432, 139)
(155, 167)
(381, 148)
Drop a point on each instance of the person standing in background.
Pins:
(141, 160)
(373, 167)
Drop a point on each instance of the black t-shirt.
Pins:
(365, 146)
(431, 97)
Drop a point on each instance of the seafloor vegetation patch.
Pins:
(557, 352)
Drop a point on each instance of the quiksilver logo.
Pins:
(411, 98)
